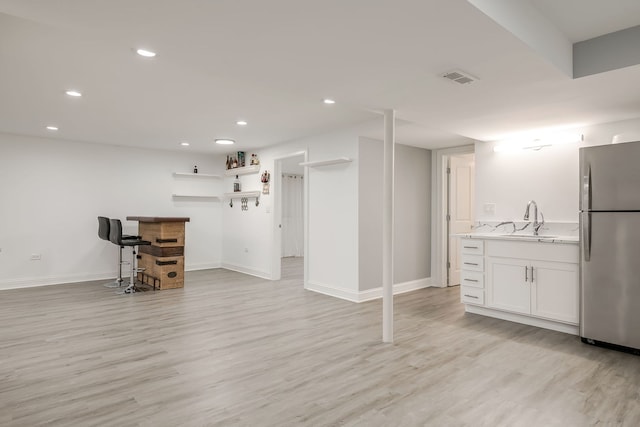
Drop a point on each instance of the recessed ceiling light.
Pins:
(184, 143)
(328, 101)
(241, 123)
(225, 141)
(52, 128)
(74, 93)
(146, 53)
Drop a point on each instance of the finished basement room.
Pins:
(244, 213)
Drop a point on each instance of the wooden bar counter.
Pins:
(163, 260)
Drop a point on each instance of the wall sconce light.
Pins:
(538, 143)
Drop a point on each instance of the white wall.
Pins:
(412, 214)
(548, 176)
(412, 251)
(248, 237)
(52, 191)
(370, 201)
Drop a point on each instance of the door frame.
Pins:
(276, 262)
(439, 202)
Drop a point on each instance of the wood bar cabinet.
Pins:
(163, 260)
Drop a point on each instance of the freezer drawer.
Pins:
(610, 278)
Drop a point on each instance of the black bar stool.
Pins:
(116, 237)
(103, 232)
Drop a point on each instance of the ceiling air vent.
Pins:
(459, 77)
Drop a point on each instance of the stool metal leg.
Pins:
(119, 281)
(133, 273)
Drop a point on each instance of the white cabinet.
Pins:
(555, 291)
(472, 272)
(544, 284)
(507, 288)
(530, 282)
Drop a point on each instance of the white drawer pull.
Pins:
(470, 247)
(470, 280)
(471, 296)
(470, 263)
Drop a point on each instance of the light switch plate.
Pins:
(490, 208)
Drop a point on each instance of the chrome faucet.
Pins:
(536, 225)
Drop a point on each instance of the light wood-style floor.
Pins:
(235, 350)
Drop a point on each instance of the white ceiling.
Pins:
(272, 62)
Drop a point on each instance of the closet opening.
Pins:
(290, 217)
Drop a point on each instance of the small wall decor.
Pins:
(240, 162)
(266, 176)
(254, 159)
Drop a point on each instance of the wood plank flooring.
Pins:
(235, 350)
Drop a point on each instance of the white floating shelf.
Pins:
(317, 163)
(242, 171)
(193, 196)
(241, 194)
(196, 175)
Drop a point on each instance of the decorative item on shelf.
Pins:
(266, 176)
(241, 159)
(195, 169)
(236, 185)
(254, 160)
(234, 163)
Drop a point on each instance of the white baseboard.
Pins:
(33, 282)
(369, 294)
(202, 266)
(245, 270)
(527, 320)
(332, 291)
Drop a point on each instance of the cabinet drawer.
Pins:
(469, 295)
(557, 252)
(472, 246)
(472, 262)
(472, 278)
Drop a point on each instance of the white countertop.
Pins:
(515, 237)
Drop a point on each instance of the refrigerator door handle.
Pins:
(586, 235)
(586, 190)
(586, 210)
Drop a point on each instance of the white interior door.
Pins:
(461, 213)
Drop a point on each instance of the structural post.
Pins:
(387, 226)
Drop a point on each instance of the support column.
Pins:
(387, 226)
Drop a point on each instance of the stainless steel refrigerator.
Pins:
(610, 245)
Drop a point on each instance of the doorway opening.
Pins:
(453, 210)
(460, 209)
(290, 243)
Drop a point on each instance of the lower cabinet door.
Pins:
(508, 287)
(554, 291)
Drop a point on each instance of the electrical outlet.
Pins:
(35, 257)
